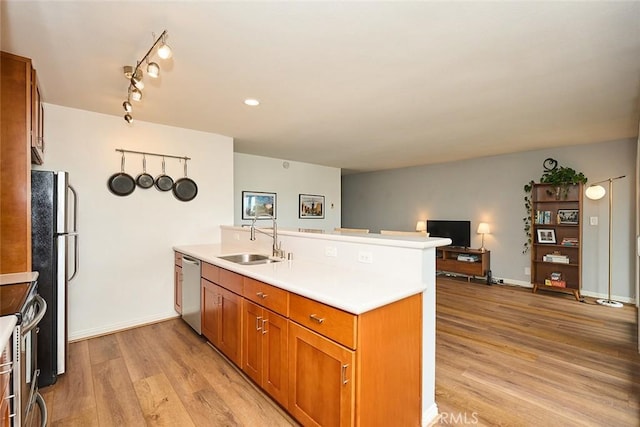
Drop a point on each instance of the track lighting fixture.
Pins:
(135, 76)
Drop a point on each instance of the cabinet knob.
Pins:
(262, 295)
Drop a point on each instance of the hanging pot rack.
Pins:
(146, 153)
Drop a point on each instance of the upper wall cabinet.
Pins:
(37, 121)
(17, 105)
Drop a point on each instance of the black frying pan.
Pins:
(185, 189)
(121, 184)
(144, 180)
(164, 182)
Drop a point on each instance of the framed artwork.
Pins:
(311, 206)
(256, 203)
(568, 216)
(546, 235)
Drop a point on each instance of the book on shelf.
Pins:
(556, 275)
(569, 241)
(562, 259)
(543, 217)
(556, 283)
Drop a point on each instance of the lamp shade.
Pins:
(153, 70)
(483, 228)
(421, 226)
(595, 192)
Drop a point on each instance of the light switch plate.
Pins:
(593, 220)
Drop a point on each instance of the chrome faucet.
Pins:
(277, 247)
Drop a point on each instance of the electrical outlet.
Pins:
(593, 220)
(365, 257)
(331, 251)
(236, 236)
(527, 271)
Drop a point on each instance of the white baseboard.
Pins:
(121, 326)
(429, 415)
(582, 292)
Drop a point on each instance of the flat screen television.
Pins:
(458, 231)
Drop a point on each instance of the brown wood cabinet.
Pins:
(325, 366)
(447, 261)
(37, 122)
(15, 163)
(222, 315)
(177, 282)
(556, 248)
(377, 383)
(265, 350)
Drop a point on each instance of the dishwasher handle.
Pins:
(189, 260)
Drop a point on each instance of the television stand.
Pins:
(447, 261)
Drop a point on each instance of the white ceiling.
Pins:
(356, 85)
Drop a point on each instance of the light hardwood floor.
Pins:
(504, 357)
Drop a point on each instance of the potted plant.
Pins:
(561, 178)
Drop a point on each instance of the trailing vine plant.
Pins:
(561, 178)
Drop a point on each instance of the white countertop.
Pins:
(10, 278)
(352, 291)
(7, 323)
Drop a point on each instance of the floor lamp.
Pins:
(597, 192)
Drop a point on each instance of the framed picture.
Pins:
(255, 204)
(311, 206)
(568, 216)
(546, 235)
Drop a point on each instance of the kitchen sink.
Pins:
(248, 259)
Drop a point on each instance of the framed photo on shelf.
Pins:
(568, 216)
(256, 203)
(311, 206)
(546, 235)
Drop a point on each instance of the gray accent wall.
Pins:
(490, 189)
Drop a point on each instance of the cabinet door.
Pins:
(177, 289)
(252, 340)
(210, 303)
(230, 325)
(275, 355)
(321, 389)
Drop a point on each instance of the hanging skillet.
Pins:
(144, 180)
(185, 189)
(164, 182)
(121, 184)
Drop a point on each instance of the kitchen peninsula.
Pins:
(351, 322)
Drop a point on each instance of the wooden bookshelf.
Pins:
(556, 249)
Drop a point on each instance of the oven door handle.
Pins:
(42, 309)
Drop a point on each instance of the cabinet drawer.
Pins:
(178, 258)
(231, 281)
(331, 322)
(268, 296)
(210, 272)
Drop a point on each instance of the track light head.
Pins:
(153, 70)
(128, 71)
(136, 95)
(127, 106)
(164, 51)
(128, 118)
(136, 80)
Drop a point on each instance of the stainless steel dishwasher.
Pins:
(191, 292)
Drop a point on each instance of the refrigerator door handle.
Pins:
(74, 233)
(76, 262)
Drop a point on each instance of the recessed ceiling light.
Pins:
(252, 102)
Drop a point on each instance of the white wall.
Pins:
(265, 174)
(490, 189)
(126, 260)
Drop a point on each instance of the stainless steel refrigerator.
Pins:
(54, 252)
